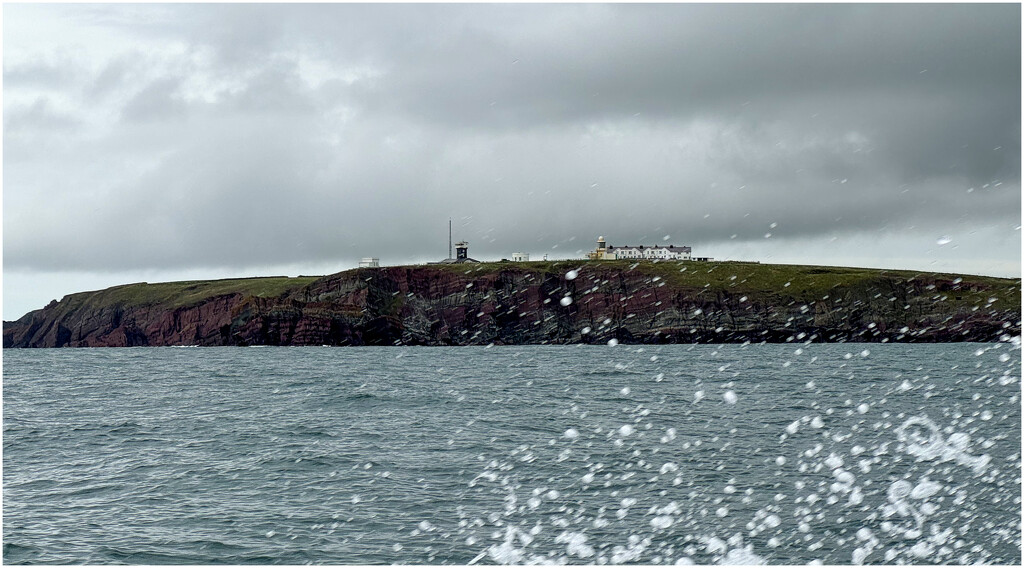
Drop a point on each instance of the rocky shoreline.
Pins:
(537, 303)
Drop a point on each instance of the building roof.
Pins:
(670, 248)
(455, 261)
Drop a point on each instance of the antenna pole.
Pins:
(449, 238)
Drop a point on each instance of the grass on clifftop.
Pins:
(806, 283)
(178, 294)
(796, 281)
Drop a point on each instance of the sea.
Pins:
(611, 454)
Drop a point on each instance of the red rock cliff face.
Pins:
(122, 326)
(517, 304)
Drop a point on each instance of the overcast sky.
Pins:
(169, 142)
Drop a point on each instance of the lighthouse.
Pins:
(601, 252)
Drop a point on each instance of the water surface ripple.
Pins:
(783, 454)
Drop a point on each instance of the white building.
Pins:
(520, 257)
(607, 252)
(369, 262)
(655, 252)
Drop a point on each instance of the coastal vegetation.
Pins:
(537, 302)
(187, 293)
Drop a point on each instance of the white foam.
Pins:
(662, 521)
(923, 440)
(575, 544)
(925, 489)
(742, 557)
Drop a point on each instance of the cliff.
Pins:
(536, 302)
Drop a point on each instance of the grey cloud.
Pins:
(38, 116)
(533, 126)
(689, 58)
(276, 88)
(40, 74)
(159, 100)
(116, 75)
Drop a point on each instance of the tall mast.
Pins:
(449, 238)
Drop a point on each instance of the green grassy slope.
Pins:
(187, 293)
(795, 281)
(806, 283)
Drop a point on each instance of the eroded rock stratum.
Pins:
(536, 303)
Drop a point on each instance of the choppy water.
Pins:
(655, 454)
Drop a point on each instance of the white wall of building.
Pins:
(658, 253)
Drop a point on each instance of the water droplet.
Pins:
(613, 342)
(565, 301)
(943, 240)
(925, 489)
(729, 397)
(661, 522)
(572, 274)
(900, 490)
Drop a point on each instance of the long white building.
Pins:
(670, 252)
(655, 252)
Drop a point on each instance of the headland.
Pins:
(557, 302)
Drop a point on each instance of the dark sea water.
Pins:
(884, 454)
